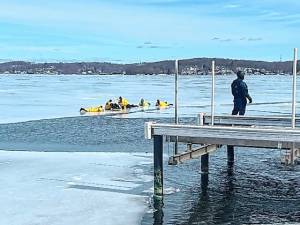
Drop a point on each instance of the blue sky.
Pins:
(128, 31)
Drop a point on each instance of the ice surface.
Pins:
(33, 97)
(71, 188)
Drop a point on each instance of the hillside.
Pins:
(186, 66)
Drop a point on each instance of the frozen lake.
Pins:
(77, 188)
(32, 97)
(98, 170)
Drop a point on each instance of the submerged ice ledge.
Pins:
(72, 188)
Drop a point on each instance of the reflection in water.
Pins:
(205, 210)
(227, 206)
(230, 168)
(204, 186)
(158, 213)
(211, 205)
(201, 205)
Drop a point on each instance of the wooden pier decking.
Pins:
(244, 131)
(237, 136)
(253, 121)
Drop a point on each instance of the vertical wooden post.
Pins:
(204, 184)
(204, 163)
(200, 119)
(204, 158)
(294, 88)
(213, 93)
(294, 101)
(230, 154)
(189, 147)
(158, 165)
(176, 102)
(176, 90)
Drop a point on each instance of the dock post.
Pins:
(204, 184)
(230, 155)
(204, 158)
(176, 102)
(294, 88)
(204, 163)
(213, 93)
(158, 165)
(200, 119)
(292, 156)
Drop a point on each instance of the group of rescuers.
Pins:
(239, 91)
(123, 104)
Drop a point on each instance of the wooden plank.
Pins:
(281, 121)
(238, 136)
(191, 154)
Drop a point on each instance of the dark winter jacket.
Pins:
(239, 90)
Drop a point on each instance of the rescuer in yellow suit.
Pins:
(144, 103)
(92, 109)
(110, 105)
(162, 104)
(123, 102)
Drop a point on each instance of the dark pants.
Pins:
(239, 106)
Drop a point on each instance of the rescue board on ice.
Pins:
(122, 111)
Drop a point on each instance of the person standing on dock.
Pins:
(240, 93)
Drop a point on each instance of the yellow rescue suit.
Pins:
(95, 109)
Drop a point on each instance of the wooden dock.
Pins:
(244, 131)
(213, 131)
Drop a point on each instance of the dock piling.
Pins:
(158, 214)
(204, 158)
(204, 184)
(200, 119)
(230, 154)
(204, 163)
(158, 165)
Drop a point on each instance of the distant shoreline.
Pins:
(196, 66)
(44, 74)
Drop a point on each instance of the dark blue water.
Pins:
(256, 190)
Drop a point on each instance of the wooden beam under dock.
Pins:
(192, 154)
